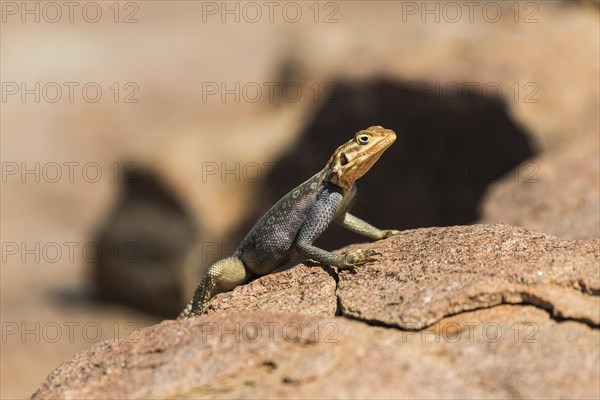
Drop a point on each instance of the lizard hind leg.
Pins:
(222, 276)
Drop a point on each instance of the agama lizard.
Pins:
(299, 218)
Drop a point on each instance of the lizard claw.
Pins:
(359, 257)
(390, 232)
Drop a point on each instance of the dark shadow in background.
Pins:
(452, 142)
(143, 245)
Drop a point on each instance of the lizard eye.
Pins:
(363, 138)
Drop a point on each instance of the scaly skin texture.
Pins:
(299, 218)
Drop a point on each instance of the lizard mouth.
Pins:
(383, 144)
(353, 159)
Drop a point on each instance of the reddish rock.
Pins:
(302, 289)
(557, 193)
(503, 352)
(484, 311)
(427, 274)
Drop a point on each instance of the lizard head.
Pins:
(354, 158)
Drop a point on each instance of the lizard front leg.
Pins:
(222, 276)
(318, 219)
(361, 227)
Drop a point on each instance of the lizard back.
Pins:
(269, 244)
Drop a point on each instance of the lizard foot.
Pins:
(358, 257)
(390, 232)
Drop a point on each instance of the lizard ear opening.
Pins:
(344, 160)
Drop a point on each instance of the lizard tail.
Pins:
(201, 297)
(222, 276)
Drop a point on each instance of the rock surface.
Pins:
(436, 272)
(503, 352)
(557, 193)
(484, 311)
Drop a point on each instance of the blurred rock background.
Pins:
(496, 108)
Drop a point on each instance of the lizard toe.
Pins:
(360, 257)
(390, 232)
